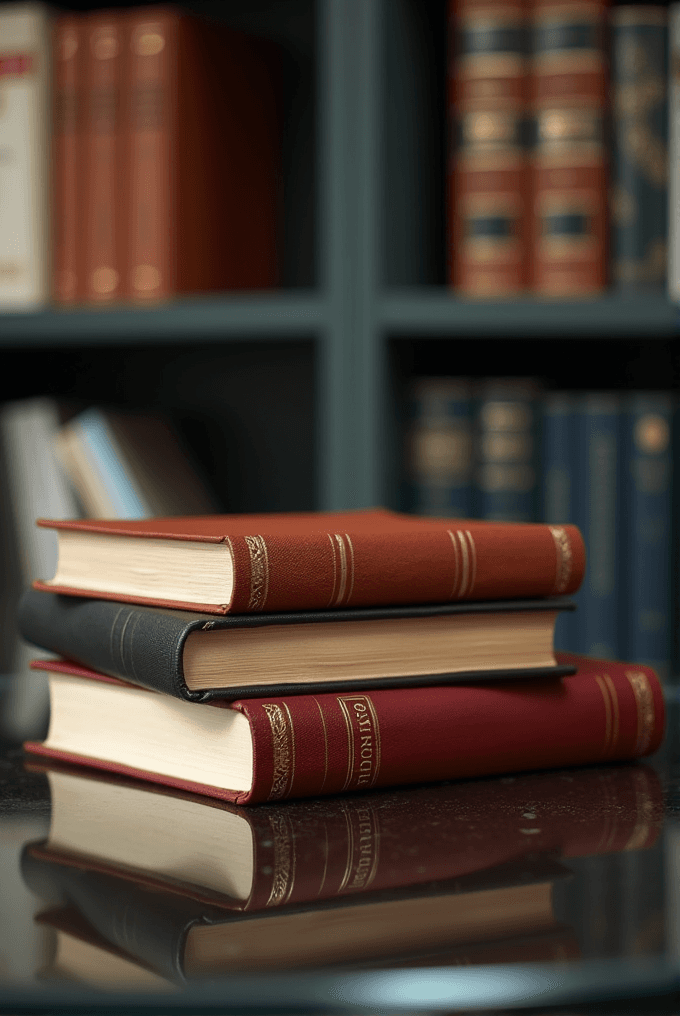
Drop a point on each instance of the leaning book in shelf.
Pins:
(186, 655)
(267, 749)
(312, 561)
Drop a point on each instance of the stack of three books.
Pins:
(257, 658)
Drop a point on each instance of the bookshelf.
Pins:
(364, 302)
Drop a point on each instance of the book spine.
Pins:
(103, 221)
(557, 482)
(647, 515)
(25, 79)
(569, 186)
(639, 196)
(506, 474)
(597, 502)
(439, 449)
(67, 57)
(140, 646)
(152, 39)
(674, 154)
(488, 213)
(357, 742)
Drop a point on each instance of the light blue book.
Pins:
(646, 583)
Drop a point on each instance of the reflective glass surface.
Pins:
(535, 891)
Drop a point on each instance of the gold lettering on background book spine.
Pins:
(259, 572)
(644, 701)
(564, 558)
(284, 860)
(283, 744)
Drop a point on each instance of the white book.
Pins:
(674, 155)
(25, 127)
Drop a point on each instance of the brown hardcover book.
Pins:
(103, 184)
(488, 212)
(569, 179)
(202, 137)
(67, 162)
(247, 564)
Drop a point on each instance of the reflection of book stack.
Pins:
(462, 874)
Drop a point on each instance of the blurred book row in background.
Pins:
(503, 449)
(560, 117)
(141, 157)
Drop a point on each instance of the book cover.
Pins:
(639, 198)
(300, 653)
(487, 180)
(67, 159)
(439, 447)
(598, 511)
(605, 712)
(25, 118)
(646, 531)
(569, 94)
(320, 560)
(507, 450)
(203, 154)
(558, 468)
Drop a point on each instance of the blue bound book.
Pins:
(557, 484)
(597, 492)
(440, 448)
(506, 459)
(646, 583)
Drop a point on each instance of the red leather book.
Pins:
(309, 745)
(307, 851)
(103, 239)
(203, 156)
(569, 180)
(67, 57)
(313, 561)
(488, 211)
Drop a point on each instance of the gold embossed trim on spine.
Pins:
(363, 847)
(644, 701)
(325, 745)
(343, 569)
(259, 572)
(363, 741)
(608, 714)
(464, 563)
(564, 558)
(284, 860)
(283, 745)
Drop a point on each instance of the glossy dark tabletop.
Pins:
(535, 891)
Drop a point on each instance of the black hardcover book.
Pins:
(198, 657)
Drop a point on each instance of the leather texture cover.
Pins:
(145, 645)
(317, 560)
(306, 851)
(311, 745)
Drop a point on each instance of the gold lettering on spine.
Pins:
(259, 572)
(644, 702)
(363, 847)
(283, 745)
(564, 558)
(284, 860)
(363, 741)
